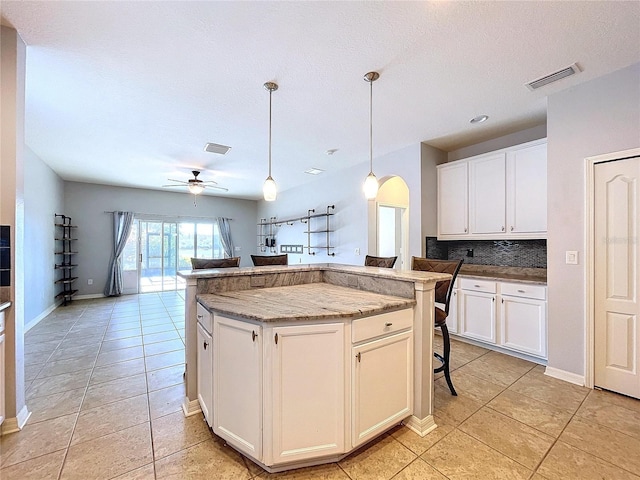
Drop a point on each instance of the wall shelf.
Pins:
(64, 237)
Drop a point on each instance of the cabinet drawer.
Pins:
(524, 290)
(478, 285)
(379, 325)
(204, 318)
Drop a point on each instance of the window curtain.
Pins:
(225, 236)
(122, 223)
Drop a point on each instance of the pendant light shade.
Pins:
(370, 186)
(269, 189)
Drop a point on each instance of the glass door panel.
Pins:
(130, 262)
(169, 256)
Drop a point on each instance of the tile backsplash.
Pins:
(5, 256)
(505, 253)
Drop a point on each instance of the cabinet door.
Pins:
(205, 373)
(2, 368)
(237, 384)
(487, 198)
(478, 315)
(527, 189)
(308, 402)
(453, 217)
(523, 323)
(382, 375)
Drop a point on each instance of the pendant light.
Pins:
(269, 189)
(370, 186)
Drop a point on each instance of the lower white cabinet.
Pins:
(205, 373)
(382, 385)
(477, 309)
(523, 319)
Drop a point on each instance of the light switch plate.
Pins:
(571, 257)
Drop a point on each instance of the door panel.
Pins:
(617, 279)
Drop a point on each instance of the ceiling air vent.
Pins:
(216, 148)
(553, 77)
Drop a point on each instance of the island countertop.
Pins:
(313, 301)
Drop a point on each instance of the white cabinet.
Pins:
(498, 195)
(487, 196)
(527, 189)
(452, 318)
(453, 201)
(478, 309)
(523, 318)
(2, 368)
(237, 384)
(307, 390)
(205, 373)
(382, 373)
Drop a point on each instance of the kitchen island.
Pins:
(300, 365)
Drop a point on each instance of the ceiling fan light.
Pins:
(370, 186)
(269, 189)
(196, 189)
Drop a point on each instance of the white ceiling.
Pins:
(128, 93)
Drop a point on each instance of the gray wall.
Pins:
(43, 197)
(431, 157)
(86, 203)
(597, 117)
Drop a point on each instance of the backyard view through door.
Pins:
(156, 250)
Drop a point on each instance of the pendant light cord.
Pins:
(371, 127)
(270, 95)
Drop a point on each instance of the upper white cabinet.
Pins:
(499, 195)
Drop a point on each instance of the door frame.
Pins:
(590, 270)
(404, 228)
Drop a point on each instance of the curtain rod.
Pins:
(163, 216)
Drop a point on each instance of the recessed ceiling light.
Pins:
(314, 171)
(479, 119)
(216, 148)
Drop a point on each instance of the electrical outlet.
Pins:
(571, 257)
(237, 249)
(90, 281)
(357, 251)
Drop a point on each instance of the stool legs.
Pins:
(444, 358)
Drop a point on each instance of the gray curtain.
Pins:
(225, 236)
(122, 223)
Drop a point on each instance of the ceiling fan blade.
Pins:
(178, 181)
(219, 188)
(173, 185)
(209, 182)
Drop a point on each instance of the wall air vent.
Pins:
(216, 148)
(553, 77)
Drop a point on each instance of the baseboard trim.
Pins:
(15, 424)
(420, 426)
(42, 316)
(190, 407)
(566, 376)
(90, 296)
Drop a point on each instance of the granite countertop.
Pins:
(312, 301)
(4, 305)
(536, 276)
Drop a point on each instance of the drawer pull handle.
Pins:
(254, 335)
(503, 228)
(521, 291)
(276, 338)
(205, 345)
(388, 324)
(477, 286)
(359, 357)
(200, 316)
(512, 228)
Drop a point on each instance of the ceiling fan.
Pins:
(195, 185)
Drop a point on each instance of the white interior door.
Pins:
(391, 233)
(617, 278)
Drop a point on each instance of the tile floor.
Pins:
(104, 384)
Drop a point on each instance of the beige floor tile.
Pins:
(56, 405)
(164, 327)
(550, 390)
(59, 383)
(521, 443)
(68, 350)
(109, 456)
(113, 391)
(500, 361)
(161, 337)
(539, 415)
(454, 410)
(32, 371)
(134, 322)
(496, 376)
(155, 362)
(459, 456)
(58, 367)
(609, 445)
(382, 458)
(204, 461)
(36, 358)
(175, 432)
(330, 471)
(167, 400)
(566, 462)
(36, 440)
(121, 355)
(118, 334)
(34, 338)
(115, 371)
(419, 470)
(415, 442)
(110, 418)
(45, 347)
(120, 343)
(46, 467)
(604, 397)
(467, 385)
(607, 409)
(143, 473)
(163, 347)
(165, 377)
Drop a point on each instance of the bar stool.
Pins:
(443, 292)
(384, 262)
(199, 263)
(263, 260)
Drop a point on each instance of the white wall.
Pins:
(86, 205)
(431, 157)
(43, 197)
(351, 221)
(597, 117)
